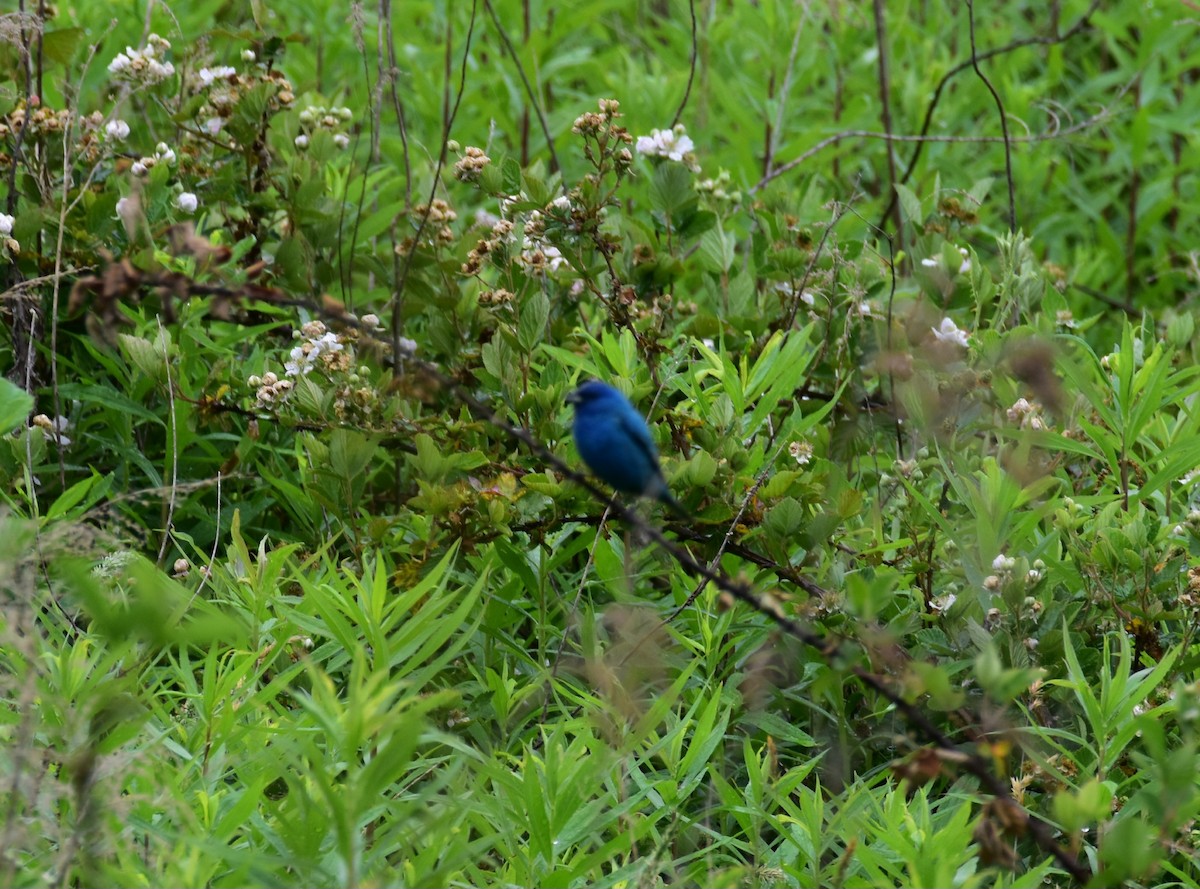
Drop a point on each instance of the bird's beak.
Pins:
(573, 397)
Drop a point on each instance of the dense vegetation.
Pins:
(303, 583)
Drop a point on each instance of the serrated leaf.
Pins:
(671, 188)
(144, 355)
(910, 204)
(716, 252)
(510, 176)
(532, 325)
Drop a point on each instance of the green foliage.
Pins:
(281, 607)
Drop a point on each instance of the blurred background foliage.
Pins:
(282, 608)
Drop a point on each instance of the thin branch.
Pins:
(885, 108)
(1008, 170)
(1079, 26)
(687, 90)
(529, 91)
(1049, 135)
(448, 122)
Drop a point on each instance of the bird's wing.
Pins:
(639, 435)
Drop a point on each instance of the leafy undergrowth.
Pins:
(302, 586)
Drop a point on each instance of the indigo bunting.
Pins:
(613, 440)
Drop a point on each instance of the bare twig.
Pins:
(529, 91)
(447, 123)
(687, 90)
(885, 107)
(1048, 135)
(1008, 170)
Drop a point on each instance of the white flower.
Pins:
(341, 140)
(930, 263)
(1064, 318)
(213, 125)
(802, 451)
(6, 224)
(302, 141)
(949, 333)
(248, 55)
(673, 144)
(562, 202)
(164, 153)
(209, 75)
(186, 201)
(942, 604)
(117, 130)
(139, 168)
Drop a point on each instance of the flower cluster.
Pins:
(608, 136)
(319, 345)
(145, 66)
(496, 244)
(1190, 526)
(674, 144)
(163, 154)
(318, 117)
(223, 87)
(472, 164)
(87, 130)
(537, 253)
(1004, 570)
(497, 297)
(270, 388)
(1027, 414)
(718, 188)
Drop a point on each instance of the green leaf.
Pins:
(910, 204)
(716, 250)
(671, 189)
(15, 405)
(532, 325)
(61, 44)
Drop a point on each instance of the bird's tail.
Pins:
(664, 496)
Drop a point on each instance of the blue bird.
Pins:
(615, 443)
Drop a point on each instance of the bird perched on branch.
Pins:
(615, 443)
